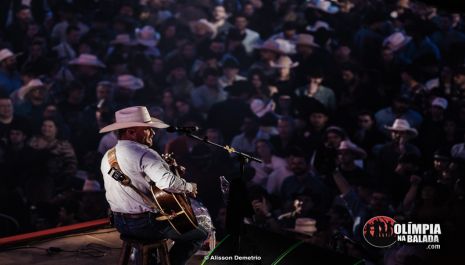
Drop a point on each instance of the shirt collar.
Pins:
(129, 142)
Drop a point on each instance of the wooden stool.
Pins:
(143, 249)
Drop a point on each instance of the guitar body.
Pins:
(178, 205)
(175, 205)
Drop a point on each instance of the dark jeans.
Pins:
(148, 228)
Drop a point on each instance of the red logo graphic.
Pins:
(379, 231)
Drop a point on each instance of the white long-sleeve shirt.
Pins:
(135, 160)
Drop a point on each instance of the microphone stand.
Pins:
(238, 205)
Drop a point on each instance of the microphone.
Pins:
(187, 129)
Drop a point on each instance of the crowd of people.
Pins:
(356, 108)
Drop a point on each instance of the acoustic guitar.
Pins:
(175, 207)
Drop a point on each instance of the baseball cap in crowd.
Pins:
(442, 154)
(319, 25)
(147, 36)
(432, 84)
(130, 82)
(440, 102)
(396, 41)
(230, 62)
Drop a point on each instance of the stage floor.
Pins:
(97, 247)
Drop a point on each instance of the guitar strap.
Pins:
(116, 173)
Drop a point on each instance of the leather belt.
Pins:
(158, 216)
(132, 215)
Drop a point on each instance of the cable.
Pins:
(95, 250)
(24, 247)
(92, 249)
(109, 230)
(97, 245)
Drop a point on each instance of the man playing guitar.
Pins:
(132, 158)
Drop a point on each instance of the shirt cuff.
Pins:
(189, 187)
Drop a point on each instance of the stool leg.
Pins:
(163, 254)
(145, 255)
(125, 253)
(140, 254)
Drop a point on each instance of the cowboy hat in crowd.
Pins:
(401, 125)
(88, 60)
(306, 40)
(270, 45)
(284, 62)
(137, 116)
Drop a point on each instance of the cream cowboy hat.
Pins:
(130, 82)
(137, 116)
(357, 151)
(402, 125)
(284, 62)
(270, 45)
(286, 46)
(147, 36)
(87, 59)
(307, 40)
(34, 83)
